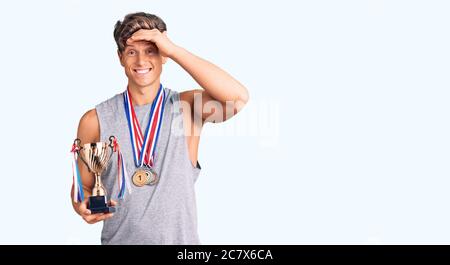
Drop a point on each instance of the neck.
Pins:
(143, 95)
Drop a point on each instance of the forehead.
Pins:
(140, 45)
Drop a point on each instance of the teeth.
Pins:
(142, 71)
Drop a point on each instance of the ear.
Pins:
(120, 57)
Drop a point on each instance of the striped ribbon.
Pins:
(144, 146)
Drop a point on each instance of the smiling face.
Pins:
(142, 63)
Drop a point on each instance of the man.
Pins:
(161, 208)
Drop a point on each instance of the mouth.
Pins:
(142, 71)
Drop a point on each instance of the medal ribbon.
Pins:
(78, 194)
(144, 146)
(122, 175)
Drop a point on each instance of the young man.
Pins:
(162, 208)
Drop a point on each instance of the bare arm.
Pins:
(221, 94)
(88, 132)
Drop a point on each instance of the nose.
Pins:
(140, 59)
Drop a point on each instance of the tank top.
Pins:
(164, 213)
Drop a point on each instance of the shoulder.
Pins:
(188, 96)
(187, 99)
(191, 106)
(90, 117)
(89, 128)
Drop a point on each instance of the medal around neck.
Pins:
(96, 157)
(144, 145)
(144, 176)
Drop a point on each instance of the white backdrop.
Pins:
(345, 139)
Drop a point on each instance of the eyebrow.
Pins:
(149, 45)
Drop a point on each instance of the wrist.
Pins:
(176, 52)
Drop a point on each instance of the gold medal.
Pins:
(144, 176)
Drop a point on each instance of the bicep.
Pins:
(88, 132)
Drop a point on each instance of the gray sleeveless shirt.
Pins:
(166, 212)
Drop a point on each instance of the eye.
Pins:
(131, 52)
(150, 51)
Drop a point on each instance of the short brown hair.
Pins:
(134, 22)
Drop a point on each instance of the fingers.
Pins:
(137, 38)
(143, 34)
(97, 217)
(83, 210)
(90, 218)
(94, 218)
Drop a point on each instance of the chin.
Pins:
(143, 84)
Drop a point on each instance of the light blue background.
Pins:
(355, 96)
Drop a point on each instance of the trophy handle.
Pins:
(77, 143)
(112, 141)
(112, 138)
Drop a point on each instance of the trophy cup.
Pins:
(96, 157)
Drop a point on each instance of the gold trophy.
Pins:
(96, 157)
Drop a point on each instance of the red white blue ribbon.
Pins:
(144, 146)
(122, 175)
(78, 194)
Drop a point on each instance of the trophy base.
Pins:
(97, 204)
